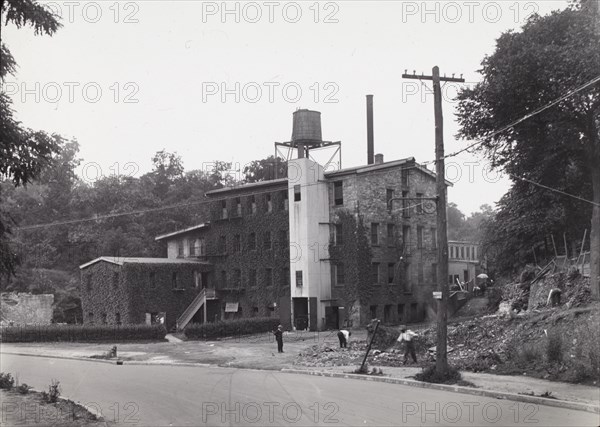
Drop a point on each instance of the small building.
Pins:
(464, 263)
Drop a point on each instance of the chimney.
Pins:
(378, 159)
(370, 138)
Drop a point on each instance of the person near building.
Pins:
(407, 337)
(343, 336)
(279, 338)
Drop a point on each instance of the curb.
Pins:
(456, 389)
(112, 362)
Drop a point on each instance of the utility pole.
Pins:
(441, 358)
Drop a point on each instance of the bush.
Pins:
(431, 375)
(227, 328)
(24, 388)
(82, 333)
(6, 381)
(554, 348)
(53, 392)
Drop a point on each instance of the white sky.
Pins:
(167, 56)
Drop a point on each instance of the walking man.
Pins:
(407, 336)
(343, 336)
(279, 338)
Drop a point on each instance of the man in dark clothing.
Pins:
(343, 336)
(279, 338)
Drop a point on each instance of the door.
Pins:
(332, 318)
(300, 313)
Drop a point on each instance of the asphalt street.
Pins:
(178, 396)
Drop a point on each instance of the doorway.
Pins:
(300, 313)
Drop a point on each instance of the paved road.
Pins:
(170, 395)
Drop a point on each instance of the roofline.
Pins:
(125, 260)
(185, 230)
(368, 168)
(94, 261)
(243, 187)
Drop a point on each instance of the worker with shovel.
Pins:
(407, 336)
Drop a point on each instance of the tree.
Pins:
(23, 152)
(558, 147)
(265, 169)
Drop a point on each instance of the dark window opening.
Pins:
(373, 310)
(118, 318)
(152, 279)
(374, 234)
(339, 235)
(338, 193)
(405, 205)
(222, 244)
(252, 242)
(297, 194)
(269, 203)
(389, 195)
(267, 240)
(224, 209)
(419, 203)
(340, 276)
(299, 278)
(419, 237)
(237, 243)
(391, 268)
(375, 272)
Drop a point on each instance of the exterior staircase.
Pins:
(200, 300)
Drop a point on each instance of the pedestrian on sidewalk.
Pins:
(279, 338)
(407, 337)
(343, 336)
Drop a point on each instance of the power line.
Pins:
(520, 120)
(555, 190)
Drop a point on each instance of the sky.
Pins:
(221, 80)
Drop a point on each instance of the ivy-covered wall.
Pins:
(129, 291)
(406, 298)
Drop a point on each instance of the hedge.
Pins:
(253, 325)
(82, 333)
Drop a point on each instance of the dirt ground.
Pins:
(29, 409)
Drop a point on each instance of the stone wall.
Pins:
(26, 309)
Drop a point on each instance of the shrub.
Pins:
(554, 348)
(227, 328)
(6, 381)
(24, 388)
(53, 393)
(82, 333)
(529, 353)
(431, 375)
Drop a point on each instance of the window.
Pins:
(224, 209)
(466, 275)
(88, 282)
(419, 203)
(468, 252)
(420, 273)
(405, 205)
(197, 279)
(373, 310)
(391, 268)
(404, 177)
(419, 237)
(267, 240)
(434, 274)
(297, 194)
(340, 276)
(91, 318)
(254, 311)
(375, 272)
(450, 279)
(180, 248)
(451, 251)
(338, 235)
(222, 244)
(174, 280)
(269, 276)
(389, 195)
(406, 238)
(115, 279)
(223, 279)
(284, 196)
(237, 243)
(201, 247)
(104, 318)
(269, 203)
(152, 279)
(338, 193)
(433, 238)
(400, 312)
(253, 204)
(374, 234)
(299, 278)
(462, 252)
(251, 241)
(192, 247)
(387, 313)
(237, 277)
(238, 206)
(118, 318)
(391, 235)
(406, 279)
(252, 278)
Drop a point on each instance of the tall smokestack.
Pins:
(370, 138)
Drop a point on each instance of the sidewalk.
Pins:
(246, 353)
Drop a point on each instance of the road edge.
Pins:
(565, 404)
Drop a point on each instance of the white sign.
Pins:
(437, 295)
